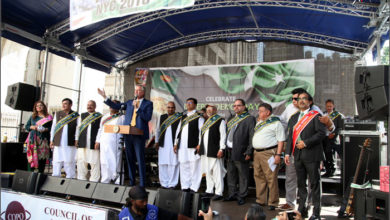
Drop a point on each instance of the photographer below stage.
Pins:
(137, 208)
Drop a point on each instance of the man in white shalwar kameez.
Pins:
(110, 147)
(168, 166)
(87, 148)
(187, 139)
(213, 138)
(62, 140)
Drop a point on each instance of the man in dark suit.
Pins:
(138, 113)
(305, 135)
(239, 151)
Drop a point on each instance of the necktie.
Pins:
(133, 119)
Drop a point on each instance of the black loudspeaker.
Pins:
(12, 157)
(21, 96)
(371, 90)
(109, 192)
(174, 200)
(359, 203)
(56, 185)
(81, 188)
(377, 205)
(351, 149)
(125, 195)
(6, 180)
(24, 181)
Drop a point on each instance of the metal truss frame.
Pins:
(240, 34)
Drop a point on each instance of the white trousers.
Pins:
(82, 171)
(190, 175)
(70, 169)
(214, 178)
(168, 175)
(107, 175)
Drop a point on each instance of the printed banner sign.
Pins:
(222, 84)
(23, 206)
(141, 75)
(86, 12)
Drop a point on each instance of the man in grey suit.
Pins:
(239, 151)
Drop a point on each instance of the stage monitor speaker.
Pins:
(371, 90)
(6, 180)
(108, 192)
(24, 181)
(21, 96)
(351, 152)
(125, 195)
(81, 188)
(57, 185)
(12, 157)
(174, 200)
(41, 178)
(377, 205)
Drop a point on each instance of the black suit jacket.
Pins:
(242, 145)
(338, 123)
(312, 135)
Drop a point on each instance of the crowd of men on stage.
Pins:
(191, 144)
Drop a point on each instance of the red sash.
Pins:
(301, 124)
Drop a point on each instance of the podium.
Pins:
(123, 129)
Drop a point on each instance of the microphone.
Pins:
(122, 107)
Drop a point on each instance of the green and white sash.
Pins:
(61, 123)
(334, 115)
(265, 123)
(168, 122)
(237, 119)
(210, 122)
(188, 120)
(110, 118)
(88, 120)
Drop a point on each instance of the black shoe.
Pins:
(186, 190)
(230, 198)
(271, 208)
(206, 194)
(217, 197)
(241, 201)
(315, 217)
(260, 204)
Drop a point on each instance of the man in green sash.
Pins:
(62, 140)
(168, 165)
(267, 139)
(332, 141)
(212, 145)
(239, 151)
(87, 147)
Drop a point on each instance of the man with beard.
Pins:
(137, 208)
(187, 139)
(110, 147)
(304, 142)
(87, 147)
(239, 149)
(62, 139)
(168, 169)
(212, 145)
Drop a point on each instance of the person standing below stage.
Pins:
(332, 142)
(87, 147)
(212, 145)
(165, 136)
(268, 140)
(305, 136)
(110, 147)
(187, 139)
(138, 114)
(38, 127)
(239, 151)
(62, 139)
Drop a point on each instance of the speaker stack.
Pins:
(21, 96)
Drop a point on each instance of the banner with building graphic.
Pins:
(86, 12)
(222, 84)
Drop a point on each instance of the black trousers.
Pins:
(329, 162)
(237, 171)
(311, 169)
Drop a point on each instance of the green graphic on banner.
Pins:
(166, 82)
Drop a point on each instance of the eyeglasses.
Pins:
(295, 99)
(190, 102)
(237, 105)
(303, 98)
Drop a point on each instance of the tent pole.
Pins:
(44, 74)
(79, 88)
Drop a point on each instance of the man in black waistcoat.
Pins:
(212, 145)
(87, 148)
(168, 167)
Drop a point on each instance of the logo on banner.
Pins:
(16, 211)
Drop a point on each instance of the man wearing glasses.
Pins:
(239, 151)
(187, 140)
(304, 142)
